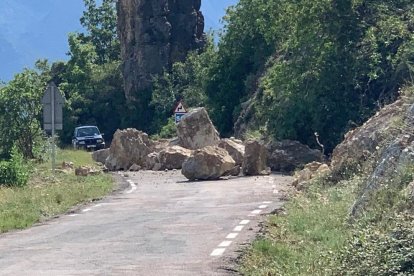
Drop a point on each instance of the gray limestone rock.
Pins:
(196, 130)
(208, 163)
(255, 159)
(154, 34)
(128, 147)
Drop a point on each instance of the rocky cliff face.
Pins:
(381, 150)
(154, 34)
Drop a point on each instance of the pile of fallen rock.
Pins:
(199, 152)
(69, 167)
(311, 171)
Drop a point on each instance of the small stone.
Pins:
(135, 168)
(82, 171)
(67, 165)
(157, 167)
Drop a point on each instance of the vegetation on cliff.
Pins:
(300, 67)
(357, 219)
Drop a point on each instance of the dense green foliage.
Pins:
(91, 80)
(186, 81)
(309, 66)
(101, 25)
(375, 252)
(14, 172)
(286, 69)
(20, 111)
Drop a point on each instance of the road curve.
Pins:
(160, 225)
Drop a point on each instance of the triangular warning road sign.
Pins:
(180, 108)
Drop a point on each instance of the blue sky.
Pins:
(33, 29)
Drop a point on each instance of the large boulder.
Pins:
(287, 155)
(208, 163)
(173, 157)
(234, 148)
(255, 159)
(128, 147)
(196, 131)
(159, 145)
(100, 155)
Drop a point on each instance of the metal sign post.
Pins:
(52, 102)
(53, 130)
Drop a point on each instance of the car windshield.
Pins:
(87, 131)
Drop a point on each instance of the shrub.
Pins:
(20, 110)
(375, 252)
(169, 130)
(14, 172)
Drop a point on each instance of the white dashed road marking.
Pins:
(217, 252)
(244, 222)
(86, 210)
(256, 212)
(232, 236)
(222, 246)
(238, 228)
(225, 244)
(133, 187)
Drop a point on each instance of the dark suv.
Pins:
(88, 137)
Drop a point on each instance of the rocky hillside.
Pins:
(154, 34)
(353, 216)
(382, 150)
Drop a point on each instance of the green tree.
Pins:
(94, 91)
(20, 111)
(185, 82)
(315, 66)
(101, 26)
(91, 79)
(242, 53)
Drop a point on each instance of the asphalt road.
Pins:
(160, 225)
